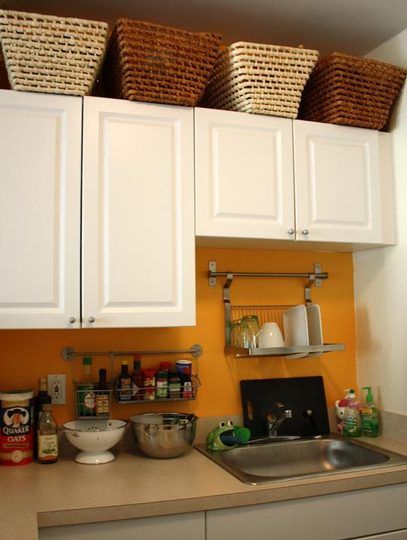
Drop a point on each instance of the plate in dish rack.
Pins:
(314, 327)
(295, 325)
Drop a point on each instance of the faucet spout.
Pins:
(274, 419)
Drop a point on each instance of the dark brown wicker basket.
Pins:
(351, 91)
(150, 62)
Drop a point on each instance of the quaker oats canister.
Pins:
(16, 427)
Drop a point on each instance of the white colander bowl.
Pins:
(94, 438)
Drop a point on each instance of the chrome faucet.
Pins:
(276, 418)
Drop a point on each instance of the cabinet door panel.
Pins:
(337, 174)
(331, 517)
(40, 160)
(138, 233)
(244, 176)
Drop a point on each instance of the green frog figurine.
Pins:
(226, 436)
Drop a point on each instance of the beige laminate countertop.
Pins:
(133, 486)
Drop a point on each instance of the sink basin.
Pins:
(272, 461)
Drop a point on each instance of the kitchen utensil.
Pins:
(270, 336)
(314, 327)
(296, 329)
(252, 322)
(164, 435)
(248, 334)
(94, 438)
(235, 329)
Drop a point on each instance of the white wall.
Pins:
(381, 275)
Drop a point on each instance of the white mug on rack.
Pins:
(270, 336)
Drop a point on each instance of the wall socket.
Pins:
(57, 389)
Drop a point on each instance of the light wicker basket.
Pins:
(351, 91)
(257, 78)
(51, 54)
(151, 62)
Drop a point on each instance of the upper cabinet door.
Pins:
(40, 161)
(339, 184)
(244, 175)
(138, 243)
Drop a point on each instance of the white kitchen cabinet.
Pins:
(243, 175)
(376, 511)
(40, 167)
(186, 526)
(341, 187)
(133, 262)
(268, 178)
(138, 261)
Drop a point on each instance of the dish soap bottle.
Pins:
(352, 421)
(370, 416)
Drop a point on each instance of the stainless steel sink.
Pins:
(272, 461)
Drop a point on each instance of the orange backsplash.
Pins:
(27, 355)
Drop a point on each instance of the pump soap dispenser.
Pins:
(370, 415)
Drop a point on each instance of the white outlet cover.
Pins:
(57, 388)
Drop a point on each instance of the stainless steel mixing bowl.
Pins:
(164, 435)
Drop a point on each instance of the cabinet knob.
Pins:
(305, 232)
(290, 232)
(72, 320)
(91, 320)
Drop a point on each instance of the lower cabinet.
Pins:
(371, 513)
(176, 527)
(378, 512)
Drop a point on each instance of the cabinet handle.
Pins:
(305, 232)
(72, 320)
(91, 320)
(290, 232)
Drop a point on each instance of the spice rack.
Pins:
(69, 354)
(270, 313)
(91, 403)
(153, 392)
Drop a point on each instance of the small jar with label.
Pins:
(149, 384)
(174, 386)
(162, 385)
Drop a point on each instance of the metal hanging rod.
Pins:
(212, 273)
(313, 278)
(69, 353)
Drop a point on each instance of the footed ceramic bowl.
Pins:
(94, 438)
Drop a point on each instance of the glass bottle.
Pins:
(137, 379)
(102, 395)
(47, 437)
(86, 395)
(40, 399)
(125, 389)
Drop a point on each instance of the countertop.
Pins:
(134, 486)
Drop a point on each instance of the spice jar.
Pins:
(162, 385)
(149, 383)
(174, 386)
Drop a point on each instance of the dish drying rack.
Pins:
(268, 313)
(69, 354)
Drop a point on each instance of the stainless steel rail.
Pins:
(69, 353)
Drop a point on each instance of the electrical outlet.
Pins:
(57, 388)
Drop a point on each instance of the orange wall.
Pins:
(26, 355)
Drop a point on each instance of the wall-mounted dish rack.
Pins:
(268, 313)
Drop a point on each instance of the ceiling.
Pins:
(352, 26)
